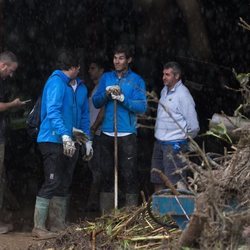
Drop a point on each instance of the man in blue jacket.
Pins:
(128, 89)
(64, 107)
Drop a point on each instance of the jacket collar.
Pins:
(175, 86)
(125, 74)
(65, 78)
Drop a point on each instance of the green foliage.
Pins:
(219, 131)
(125, 244)
(242, 78)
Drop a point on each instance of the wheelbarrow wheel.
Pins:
(157, 219)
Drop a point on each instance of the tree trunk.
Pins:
(196, 29)
(1, 25)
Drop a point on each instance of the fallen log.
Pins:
(234, 125)
(230, 122)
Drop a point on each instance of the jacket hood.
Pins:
(65, 78)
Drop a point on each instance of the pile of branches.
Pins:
(223, 216)
(224, 196)
(130, 228)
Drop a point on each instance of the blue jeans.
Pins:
(167, 159)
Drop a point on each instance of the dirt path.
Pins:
(16, 241)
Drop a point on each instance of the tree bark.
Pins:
(1, 25)
(196, 29)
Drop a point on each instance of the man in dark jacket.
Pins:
(96, 69)
(8, 65)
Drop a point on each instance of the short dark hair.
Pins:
(175, 66)
(123, 48)
(67, 58)
(8, 56)
(98, 61)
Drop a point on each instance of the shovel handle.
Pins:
(115, 157)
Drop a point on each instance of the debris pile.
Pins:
(131, 228)
(224, 212)
(221, 219)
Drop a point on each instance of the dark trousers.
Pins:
(95, 163)
(2, 173)
(127, 163)
(58, 170)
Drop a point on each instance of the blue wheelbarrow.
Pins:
(165, 207)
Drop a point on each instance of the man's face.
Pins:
(7, 69)
(74, 71)
(169, 79)
(120, 61)
(95, 72)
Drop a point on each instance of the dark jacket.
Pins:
(3, 98)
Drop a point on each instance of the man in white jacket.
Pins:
(176, 120)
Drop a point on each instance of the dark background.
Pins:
(158, 31)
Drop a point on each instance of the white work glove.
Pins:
(89, 151)
(68, 146)
(115, 89)
(119, 98)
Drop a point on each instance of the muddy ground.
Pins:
(20, 238)
(24, 190)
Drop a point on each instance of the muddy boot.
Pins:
(57, 213)
(5, 228)
(106, 202)
(131, 200)
(40, 216)
(93, 199)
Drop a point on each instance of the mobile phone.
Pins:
(27, 101)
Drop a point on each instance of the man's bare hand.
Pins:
(17, 103)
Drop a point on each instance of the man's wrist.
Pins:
(11, 104)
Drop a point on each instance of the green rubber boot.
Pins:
(131, 200)
(40, 217)
(57, 213)
(106, 202)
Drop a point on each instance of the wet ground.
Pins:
(20, 238)
(16, 241)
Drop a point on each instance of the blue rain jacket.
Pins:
(63, 108)
(133, 88)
